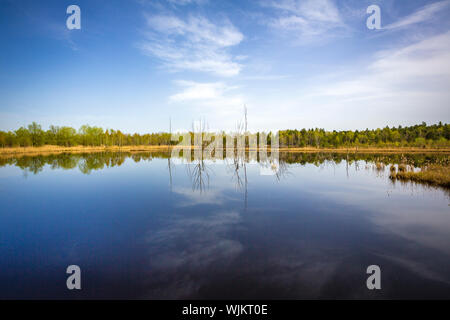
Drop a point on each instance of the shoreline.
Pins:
(145, 148)
(435, 175)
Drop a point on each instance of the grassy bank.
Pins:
(49, 149)
(438, 175)
(76, 149)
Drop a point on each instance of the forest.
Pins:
(420, 136)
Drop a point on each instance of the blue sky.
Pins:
(293, 63)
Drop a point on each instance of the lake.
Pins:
(150, 226)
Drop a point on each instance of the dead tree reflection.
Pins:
(283, 171)
(199, 174)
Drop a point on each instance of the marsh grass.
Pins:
(393, 169)
(434, 174)
(50, 149)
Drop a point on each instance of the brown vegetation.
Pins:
(75, 149)
(83, 149)
(434, 174)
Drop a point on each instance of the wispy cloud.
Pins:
(423, 14)
(401, 69)
(215, 96)
(396, 85)
(186, 2)
(310, 20)
(194, 44)
(192, 244)
(174, 3)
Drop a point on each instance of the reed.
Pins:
(435, 174)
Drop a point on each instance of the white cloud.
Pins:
(411, 68)
(428, 57)
(218, 102)
(192, 198)
(200, 91)
(399, 86)
(193, 44)
(314, 10)
(423, 14)
(405, 85)
(192, 244)
(185, 2)
(308, 19)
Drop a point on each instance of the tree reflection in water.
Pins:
(199, 171)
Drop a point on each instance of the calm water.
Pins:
(144, 226)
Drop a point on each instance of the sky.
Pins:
(294, 64)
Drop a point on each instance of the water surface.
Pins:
(147, 226)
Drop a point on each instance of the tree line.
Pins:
(422, 135)
(34, 136)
